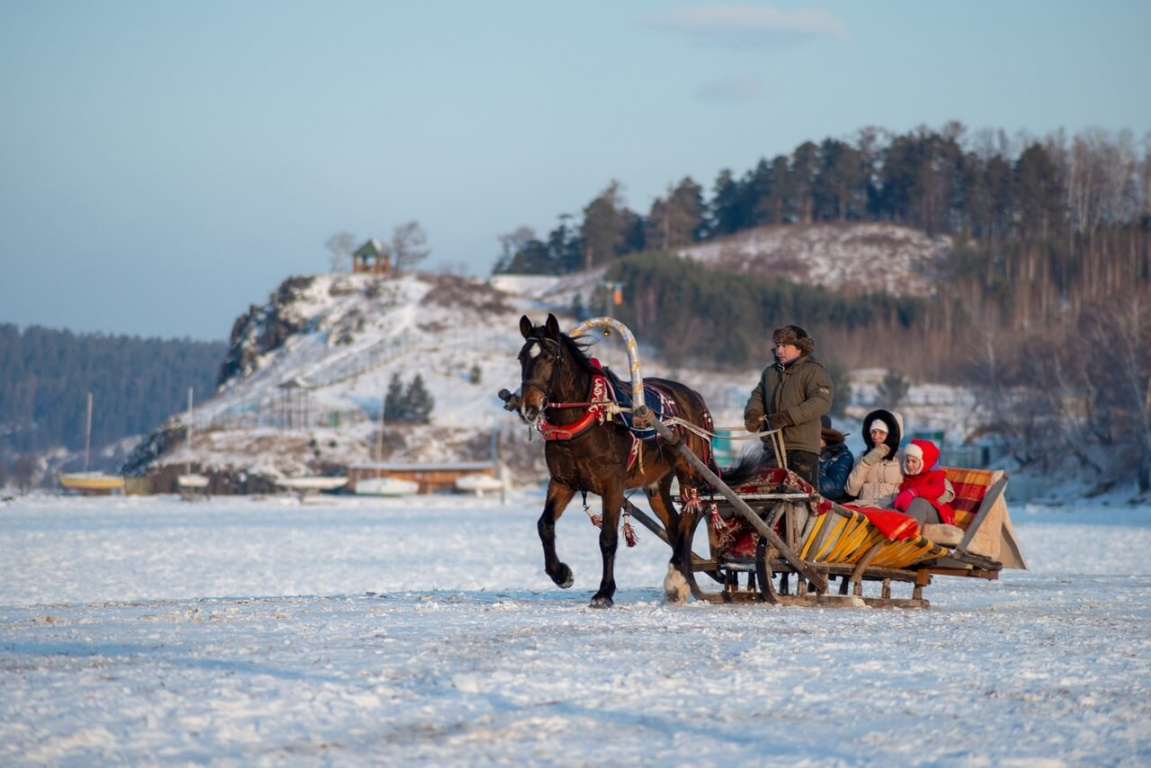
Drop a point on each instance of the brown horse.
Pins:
(587, 454)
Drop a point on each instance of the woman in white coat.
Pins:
(875, 478)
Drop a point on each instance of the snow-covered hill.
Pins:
(305, 379)
(854, 258)
(303, 384)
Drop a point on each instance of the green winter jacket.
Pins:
(803, 390)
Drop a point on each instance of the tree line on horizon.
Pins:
(136, 383)
(982, 187)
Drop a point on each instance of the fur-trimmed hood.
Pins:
(894, 422)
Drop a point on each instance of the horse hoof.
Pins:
(675, 588)
(601, 602)
(563, 577)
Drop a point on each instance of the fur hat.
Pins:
(793, 334)
(832, 436)
(827, 434)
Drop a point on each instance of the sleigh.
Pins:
(879, 558)
(771, 538)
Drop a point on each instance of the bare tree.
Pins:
(408, 241)
(340, 247)
(1120, 333)
(24, 472)
(892, 389)
(1145, 176)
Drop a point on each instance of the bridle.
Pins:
(594, 410)
(557, 365)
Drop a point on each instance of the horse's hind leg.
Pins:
(557, 500)
(667, 514)
(675, 589)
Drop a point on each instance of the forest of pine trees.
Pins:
(1037, 225)
(46, 375)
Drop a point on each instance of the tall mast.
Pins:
(88, 433)
(380, 432)
(189, 430)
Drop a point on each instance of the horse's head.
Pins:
(541, 359)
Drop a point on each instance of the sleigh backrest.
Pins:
(981, 511)
(971, 486)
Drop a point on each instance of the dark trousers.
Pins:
(803, 463)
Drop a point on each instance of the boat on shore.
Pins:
(192, 482)
(299, 484)
(479, 484)
(386, 486)
(91, 482)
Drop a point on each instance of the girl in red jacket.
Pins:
(925, 492)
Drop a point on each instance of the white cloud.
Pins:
(732, 90)
(748, 25)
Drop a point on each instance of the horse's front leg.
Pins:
(608, 542)
(557, 500)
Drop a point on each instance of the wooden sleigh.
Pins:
(819, 542)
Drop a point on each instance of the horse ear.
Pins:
(526, 327)
(553, 327)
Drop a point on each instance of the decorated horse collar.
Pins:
(595, 412)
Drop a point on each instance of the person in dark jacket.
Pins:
(791, 396)
(835, 462)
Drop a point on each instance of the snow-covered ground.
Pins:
(242, 631)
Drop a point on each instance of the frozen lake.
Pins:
(241, 631)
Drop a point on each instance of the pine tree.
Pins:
(605, 226)
(419, 401)
(727, 206)
(395, 404)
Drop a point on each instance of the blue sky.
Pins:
(163, 165)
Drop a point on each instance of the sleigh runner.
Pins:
(763, 528)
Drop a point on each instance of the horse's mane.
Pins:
(577, 351)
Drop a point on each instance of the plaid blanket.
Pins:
(970, 487)
(778, 480)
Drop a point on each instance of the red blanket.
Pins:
(893, 525)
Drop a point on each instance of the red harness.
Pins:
(595, 413)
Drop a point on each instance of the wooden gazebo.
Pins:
(372, 258)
